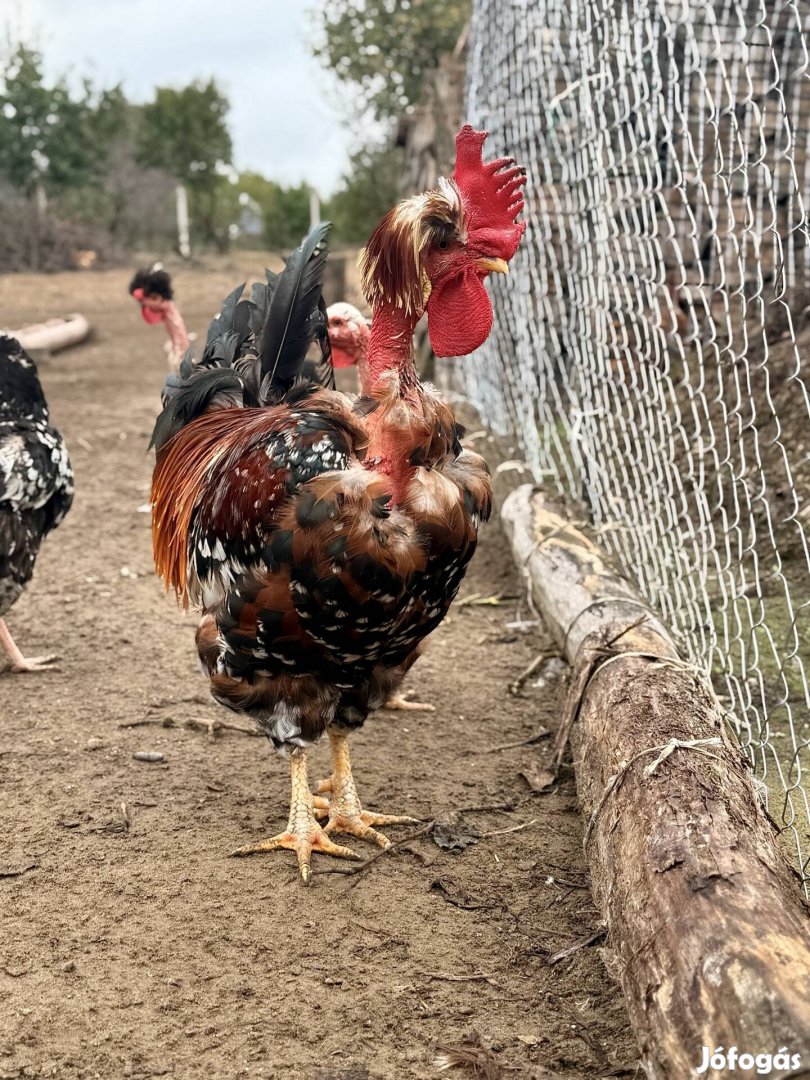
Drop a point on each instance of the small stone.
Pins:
(69, 965)
(148, 755)
(94, 743)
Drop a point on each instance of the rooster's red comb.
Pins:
(491, 193)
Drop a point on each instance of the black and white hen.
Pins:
(36, 484)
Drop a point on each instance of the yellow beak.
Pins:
(493, 266)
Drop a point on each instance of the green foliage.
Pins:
(48, 137)
(369, 190)
(385, 47)
(185, 132)
(285, 212)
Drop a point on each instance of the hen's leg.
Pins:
(344, 811)
(304, 835)
(19, 663)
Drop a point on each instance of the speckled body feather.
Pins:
(317, 587)
(36, 480)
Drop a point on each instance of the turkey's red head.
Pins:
(348, 334)
(436, 249)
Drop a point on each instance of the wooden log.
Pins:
(707, 926)
(54, 334)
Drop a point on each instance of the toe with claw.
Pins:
(303, 834)
(343, 811)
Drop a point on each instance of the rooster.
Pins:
(152, 288)
(36, 484)
(324, 537)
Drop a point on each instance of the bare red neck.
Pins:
(390, 350)
(390, 346)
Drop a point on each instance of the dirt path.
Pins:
(143, 950)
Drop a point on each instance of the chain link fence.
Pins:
(652, 343)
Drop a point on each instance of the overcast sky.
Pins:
(286, 111)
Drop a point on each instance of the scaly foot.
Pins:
(303, 834)
(303, 843)
(344, 811)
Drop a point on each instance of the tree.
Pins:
(285, 212)
(52, 141)
(185, 132)
(369, 190)
(385, 47)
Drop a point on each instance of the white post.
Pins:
(181, 202)
(314, 208)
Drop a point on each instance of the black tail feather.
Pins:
(292, 317)
(256, 349)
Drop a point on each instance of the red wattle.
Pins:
(459, 315)
(152, 316)
(341, 359)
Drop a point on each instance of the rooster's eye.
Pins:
(444, 245)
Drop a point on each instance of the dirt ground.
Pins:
(132, 946)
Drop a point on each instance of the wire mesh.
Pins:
(652, 341)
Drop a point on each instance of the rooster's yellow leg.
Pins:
(344, 811)
(304, 835)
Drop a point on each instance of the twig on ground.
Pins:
(216, 724)
(18, 871)
(477, 600)
(568, 884)
(580, 943)
(359, 867)
(380, 933)
(585, 1034)
(213, 725)
(514, 828)
(165, 721)
(194, 699)
(516, 686)
(446, 977)
(543, 733)
(483, 808)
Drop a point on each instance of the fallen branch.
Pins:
(685, 866)
(359, 867)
